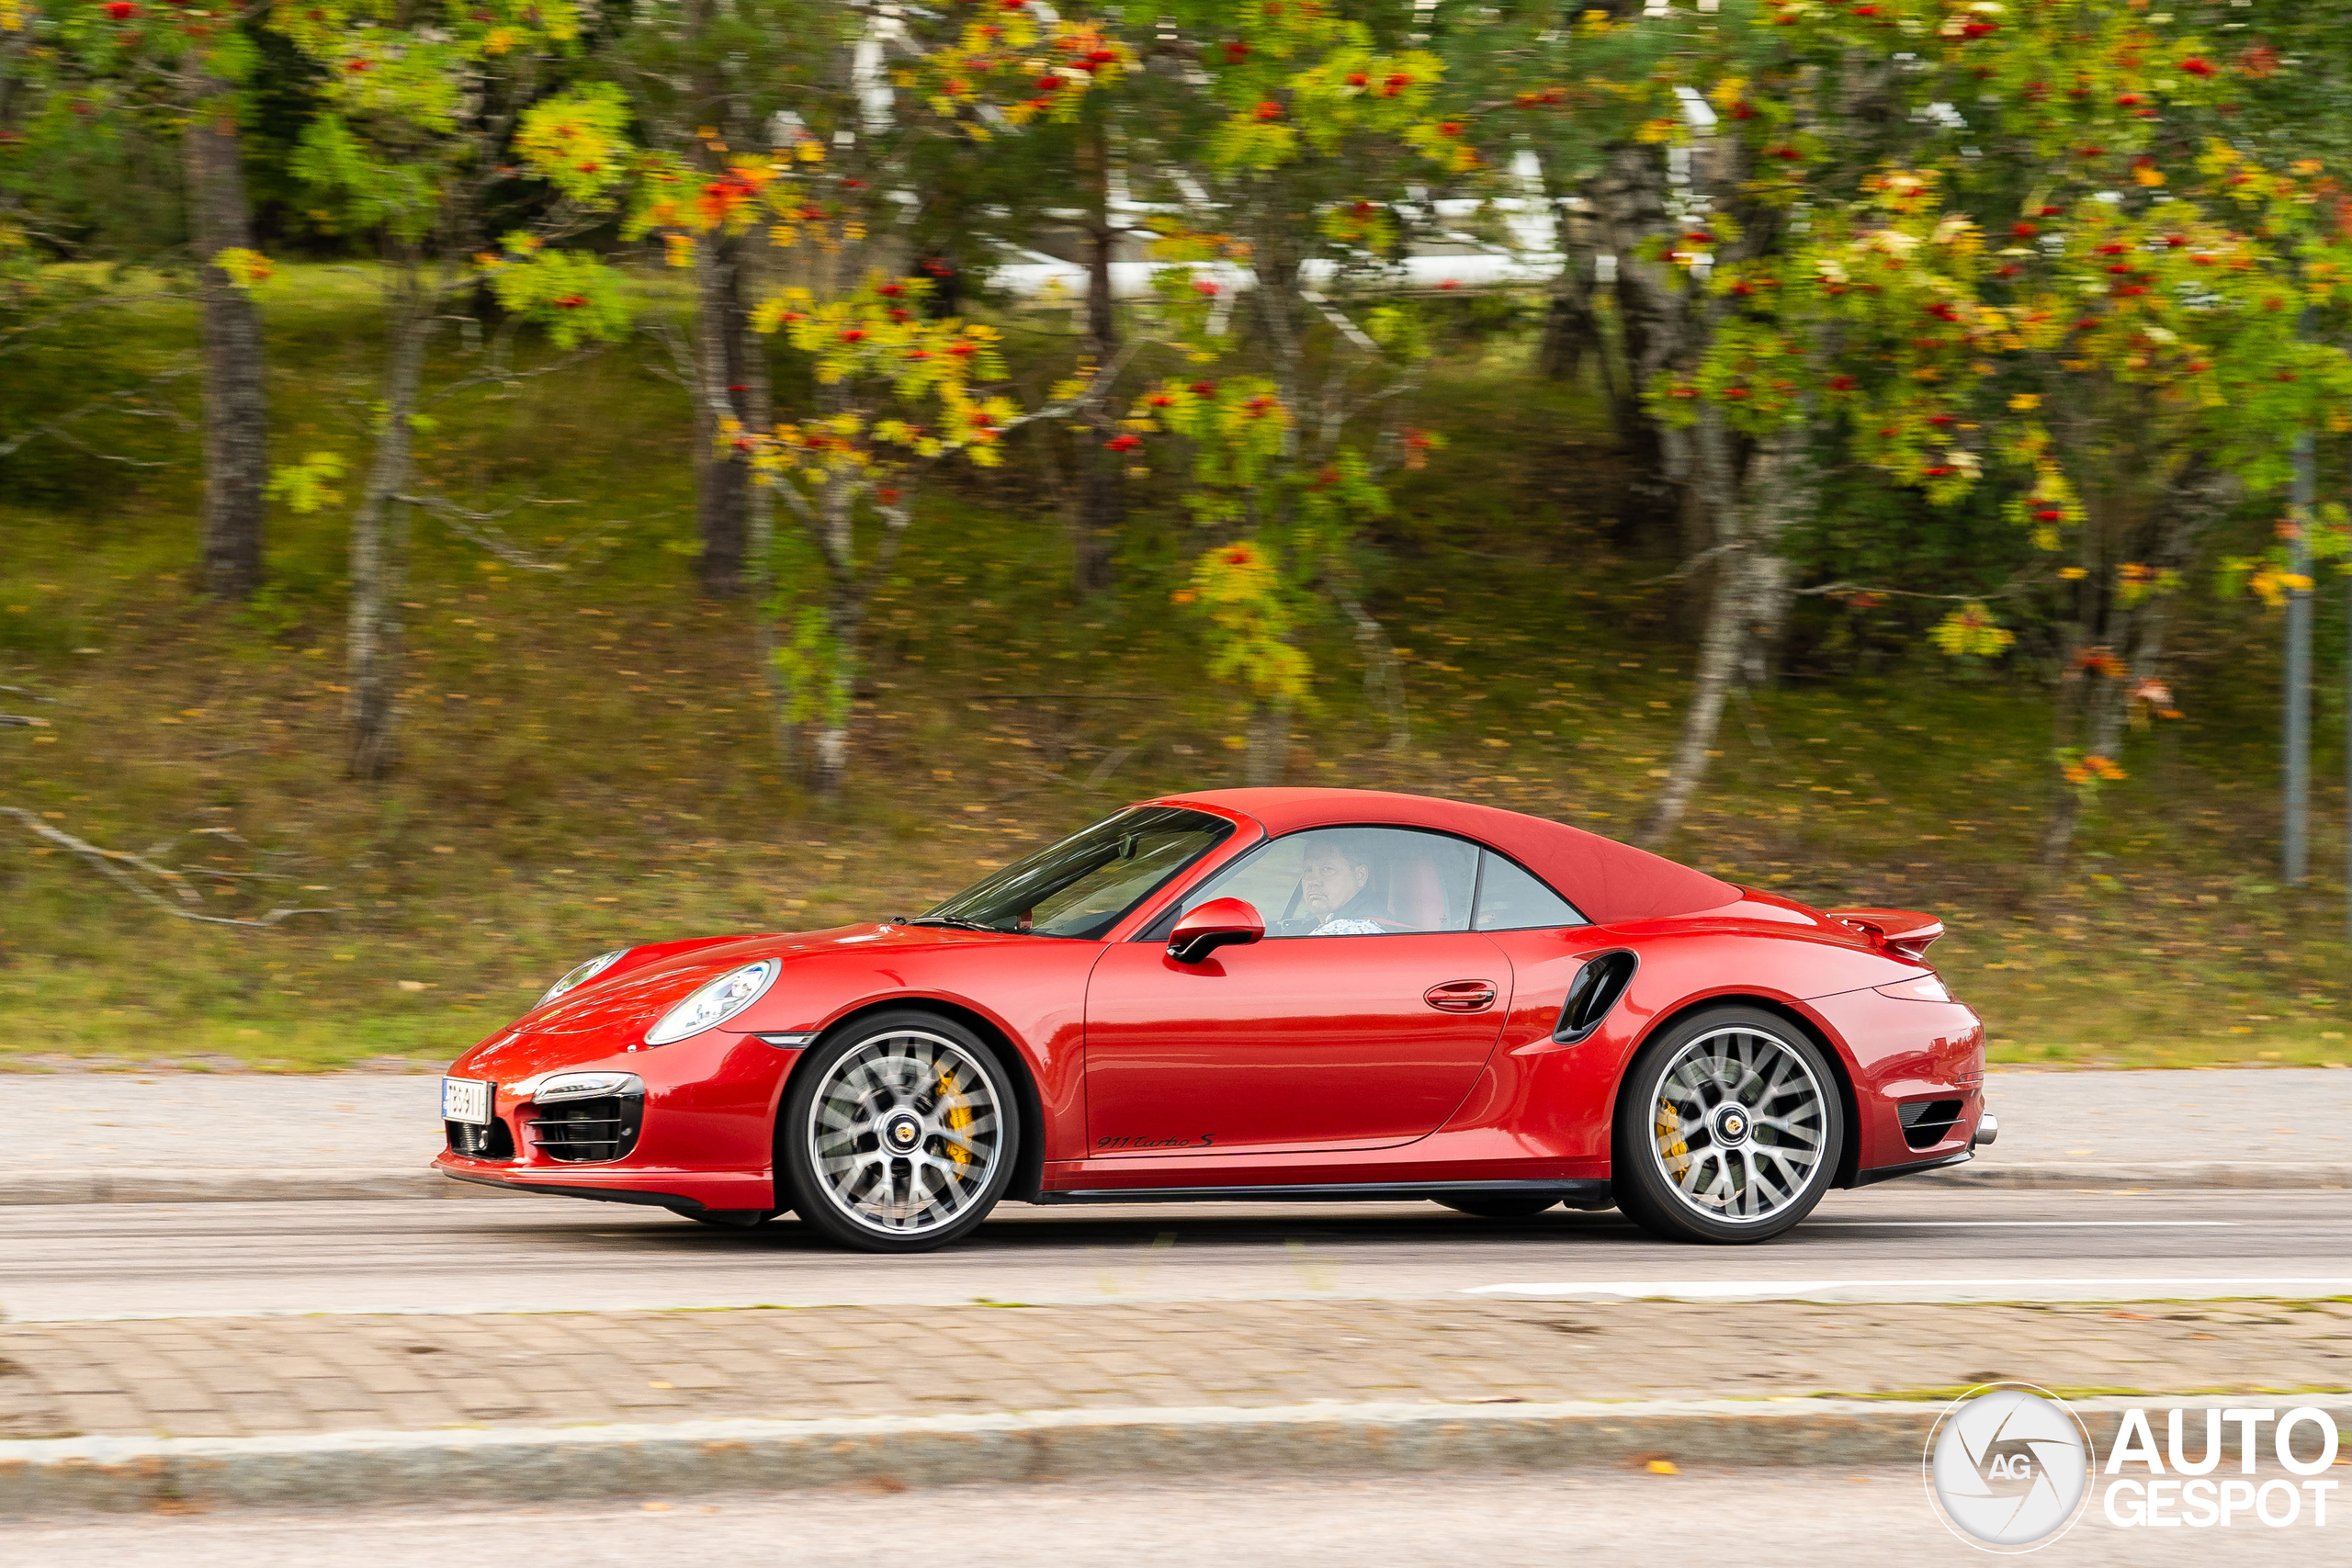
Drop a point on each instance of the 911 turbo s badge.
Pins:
(1202, 1142)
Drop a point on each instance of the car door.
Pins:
(1302, 1041)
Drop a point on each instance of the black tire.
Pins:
(1499, 1206)
(1766, 1178)
(909, 1074)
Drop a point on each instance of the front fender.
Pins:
(1030, 990)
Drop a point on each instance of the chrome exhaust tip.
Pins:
(1988, 1127)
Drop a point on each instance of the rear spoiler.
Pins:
(1906, 932)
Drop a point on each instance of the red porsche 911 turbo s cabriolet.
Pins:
(1285, 994)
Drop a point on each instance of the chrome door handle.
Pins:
(1461, 996)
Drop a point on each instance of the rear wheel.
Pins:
(898, 1133)
(1729, 1129)
(1499, 1206)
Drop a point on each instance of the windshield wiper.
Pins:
(957, 921)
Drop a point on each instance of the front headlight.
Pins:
(578, 977)
(714, 1004)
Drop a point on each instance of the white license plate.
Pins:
(466, 1099)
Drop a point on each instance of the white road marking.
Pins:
(1939, 1291)
(2016, 1224)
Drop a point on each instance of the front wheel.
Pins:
(1729, 1129)
(898, 1133)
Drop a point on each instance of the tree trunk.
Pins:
(1274, 258)
(845, 619)
(1751, 511)
(760, 538)
(2097, 707)
(236, 412)
(1102, 497)
(1384, 672)
(1268, 736)
(1571, 327)
(722, 492)
(845, 595)
(379, 551)
(1629, 208)
(1772, 594)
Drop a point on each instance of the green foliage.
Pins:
(403, 129)
(578, 142)
(809, 661)
(366, 190)
(2088, 317)
(1971, 631)
(1008, 68)
(1238, 431)
(1240, 592)
(307, 486)
(2271, 576)
(573, 294)
(910, 387)
(1297, 80)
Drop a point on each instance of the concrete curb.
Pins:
(2187, 1174)
(120, 1474)
(278, 1184)
(1934, 1293)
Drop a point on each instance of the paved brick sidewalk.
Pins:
(265, 1376)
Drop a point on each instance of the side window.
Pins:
(1511, 900)
(1352, 881)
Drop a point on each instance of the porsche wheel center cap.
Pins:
(901, 1132)
(1731, 1123)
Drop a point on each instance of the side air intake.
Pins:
(1592, 993)
(1927, 1123)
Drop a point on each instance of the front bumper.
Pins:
(683, 1191)
(704, 1136)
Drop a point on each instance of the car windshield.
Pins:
(1085, 885)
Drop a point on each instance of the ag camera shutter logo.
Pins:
(2009, 1467)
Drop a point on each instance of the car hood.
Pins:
(641, 989)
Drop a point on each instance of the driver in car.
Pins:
(1331, 883)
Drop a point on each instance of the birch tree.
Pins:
(2106, 324)
(424, 107)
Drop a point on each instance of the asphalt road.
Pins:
(1759, 1518)
(507, 1253)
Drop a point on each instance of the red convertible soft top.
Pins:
(1607, 880)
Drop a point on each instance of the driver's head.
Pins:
(1333, 873)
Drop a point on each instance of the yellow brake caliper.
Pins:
(1670, 1125)
(959, 1116)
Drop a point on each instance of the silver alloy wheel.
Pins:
(1737, 1125)
(904, 1132)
